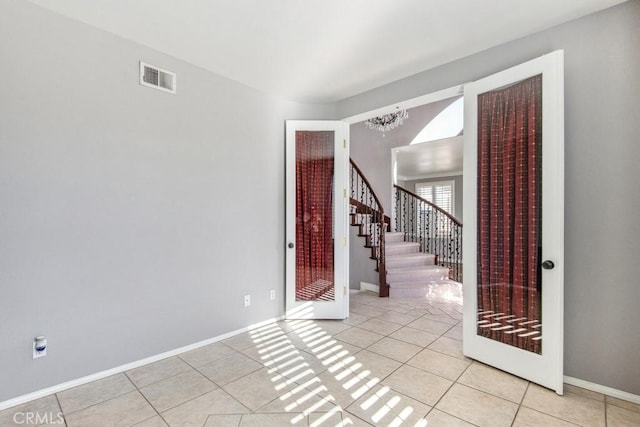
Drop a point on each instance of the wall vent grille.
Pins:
(152, 76)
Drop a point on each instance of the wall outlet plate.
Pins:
(37, 354)
(272, 294)
(247, 300)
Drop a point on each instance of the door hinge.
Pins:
(344, 241)
(344, 143)
(344, 193)
(344, 290)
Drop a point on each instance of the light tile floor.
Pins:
(393, 362)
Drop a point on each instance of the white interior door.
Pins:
(317, 260)
(514, 220)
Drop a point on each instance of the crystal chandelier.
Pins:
(387, 122)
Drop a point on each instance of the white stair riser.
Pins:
(442, 289)
(397, 249)
(394, 237)
(410, 261)
(417, 275)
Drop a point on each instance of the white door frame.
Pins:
(428, 98)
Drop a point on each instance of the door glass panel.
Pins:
(509, 214)
(314, 215)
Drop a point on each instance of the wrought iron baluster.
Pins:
(437, 231)
(371, 220)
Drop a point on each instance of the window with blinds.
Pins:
(439, 193)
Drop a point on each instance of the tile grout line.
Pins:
(424, 348)
(520, 403)
(290, 342)
(447, 391)
(356, 374)
(97, 403)
(147, 400)
(194, 368)
(188, 400)
(551, 416)
(156, 382)
(60, 407)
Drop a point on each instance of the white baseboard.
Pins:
(103, 374)
(607, 391)
(364, 286)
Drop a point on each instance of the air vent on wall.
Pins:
(158, 78)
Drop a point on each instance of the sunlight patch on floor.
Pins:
(303, 392)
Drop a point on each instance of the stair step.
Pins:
(440, 290)
(393, 237)
(401, 248)
(410, 260)
(417, 274)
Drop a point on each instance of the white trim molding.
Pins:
(119, 369)
(410, 103)
(607, 391)
(365, 286)
(430, 176)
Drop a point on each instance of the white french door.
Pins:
(317, 257)
(513, 236)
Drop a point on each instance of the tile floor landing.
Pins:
(394, 362)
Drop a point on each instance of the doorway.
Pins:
(544, 366)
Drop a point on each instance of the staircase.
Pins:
(411, 273)
(422, 254)
(435, 230)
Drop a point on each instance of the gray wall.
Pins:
(114, 198)
(602, 231)
(458, 206)
(371, 150)
(361, 267)
(117, 202)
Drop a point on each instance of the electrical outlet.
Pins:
(39, 347)
(272, 294)
(247, 300)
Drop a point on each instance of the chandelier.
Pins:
(387, 122)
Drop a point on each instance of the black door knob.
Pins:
(548, 265)
(290, 245)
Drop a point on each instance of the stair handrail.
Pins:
(418, 227)
(366, 201)
(433, 205)
(366, 181)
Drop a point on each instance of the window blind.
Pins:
(439, 193)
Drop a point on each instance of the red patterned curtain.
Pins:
(314, 213)
(509, 214)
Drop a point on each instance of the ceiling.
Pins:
(428, 159)
(321, 50)
(437, 158)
